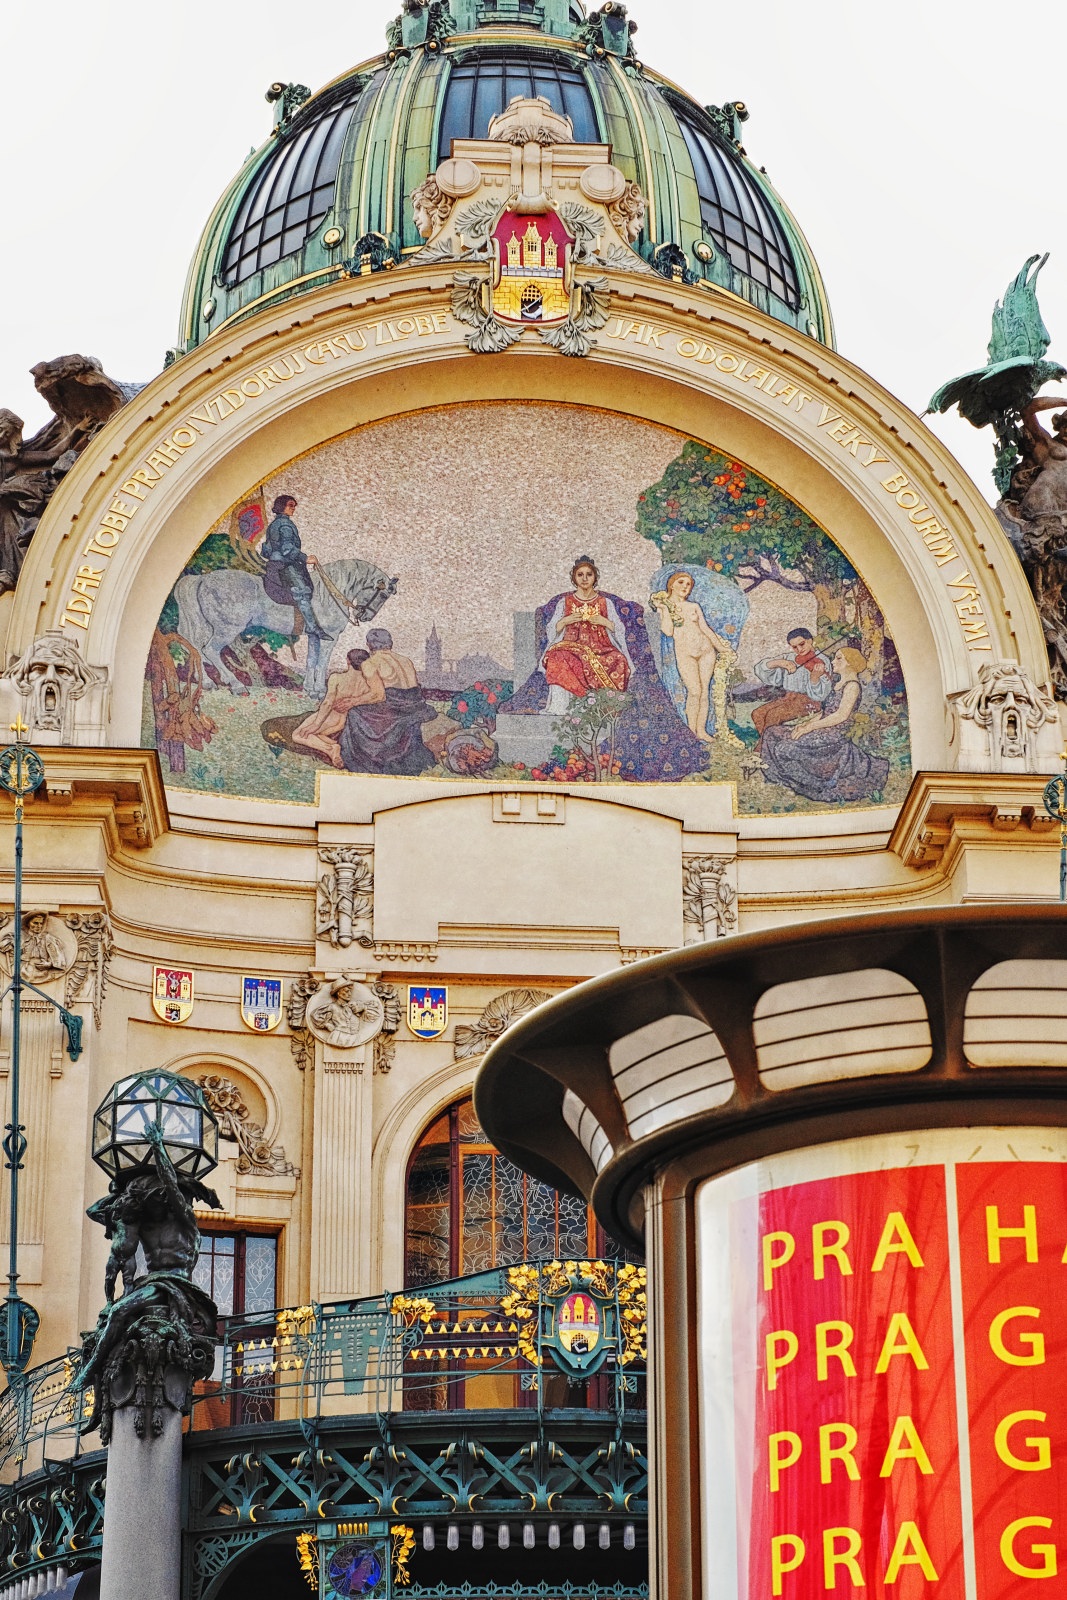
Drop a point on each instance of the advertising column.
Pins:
(881, 1369)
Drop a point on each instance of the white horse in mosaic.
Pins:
(216, 608)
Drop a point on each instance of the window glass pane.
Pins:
(502, 1216)
(738, 217)
(480, 89)
(261, 1262)
(428, 1232)
(214, 1270)
(293, 190)
(477, 1241)
(573, 1237)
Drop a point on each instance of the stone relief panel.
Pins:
(343, 1014)
(237, 1126)
(344, 907)
(709, 897)
(674, 617)
(48, 951)
(88, 973)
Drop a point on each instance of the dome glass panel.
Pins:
(481, 88)
(738, 217)
(292, 192)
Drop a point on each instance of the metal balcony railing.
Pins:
(541, 1335)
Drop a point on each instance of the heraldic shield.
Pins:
(261, 1003)
(532, 268)
(172, 993)
(427, 1011)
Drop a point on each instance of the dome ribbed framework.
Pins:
(344, 164)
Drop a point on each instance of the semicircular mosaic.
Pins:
(523, 592)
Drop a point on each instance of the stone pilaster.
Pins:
(341, 1188)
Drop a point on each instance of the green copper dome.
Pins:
(330, 190)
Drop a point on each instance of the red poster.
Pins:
(1013, 1234)
(844, 1389)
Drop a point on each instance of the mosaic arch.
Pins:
(524, 592)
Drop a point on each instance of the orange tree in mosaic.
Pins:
(713, 511)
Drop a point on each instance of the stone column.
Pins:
(142, 1520)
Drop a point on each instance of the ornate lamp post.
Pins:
(1056, 806)
(155, 1137)
(21, 774)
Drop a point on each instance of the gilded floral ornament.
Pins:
(413, 1309)
(579, 1311)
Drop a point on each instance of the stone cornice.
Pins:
(123, 788)
(946, 811)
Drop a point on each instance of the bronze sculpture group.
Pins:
(1031, 462)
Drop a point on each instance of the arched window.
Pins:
(738, 216)
(469, 1209)
(294, 189)
(483, 85)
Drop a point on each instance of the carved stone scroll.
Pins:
(709, 899)
(254, 1154)
(499, 1014)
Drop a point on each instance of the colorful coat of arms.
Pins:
(531, 268)
(261, 1003)
(172, 993)
(427, 1011)
(578, 1313)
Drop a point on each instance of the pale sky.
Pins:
(920, 145)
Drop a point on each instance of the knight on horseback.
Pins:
(286, 578)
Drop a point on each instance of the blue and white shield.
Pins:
(261, 1003)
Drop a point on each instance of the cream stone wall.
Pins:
(475, 887)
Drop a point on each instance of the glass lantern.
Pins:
(161, 1099)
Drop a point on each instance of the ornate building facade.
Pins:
(499, 340)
